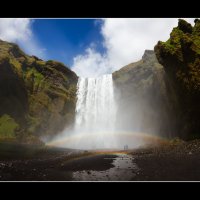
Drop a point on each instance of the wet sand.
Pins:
(171, 162)
(41, 163)
(67, 165)
(123, 169)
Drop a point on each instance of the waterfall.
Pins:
(96, 107)
(95, 124)
(96, 112)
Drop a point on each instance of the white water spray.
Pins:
(95, 123)
(96, 107)
(96, 112)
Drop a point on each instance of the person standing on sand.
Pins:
(126, 147)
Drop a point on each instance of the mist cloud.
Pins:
(125, 41)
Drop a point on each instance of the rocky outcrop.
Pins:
(142, 96)
(36, 96)
(180, 56)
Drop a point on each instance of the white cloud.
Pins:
(91, 64)
(15, 29)
(19, 30)
(125, 41)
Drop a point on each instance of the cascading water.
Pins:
(95, 108)
(96, 111)
(95, 123)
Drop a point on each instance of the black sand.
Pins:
(172, 162)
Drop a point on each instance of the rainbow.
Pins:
(133, 139)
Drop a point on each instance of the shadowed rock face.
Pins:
(40, 96)
(142, 96)
(13, 94)
(180, 56)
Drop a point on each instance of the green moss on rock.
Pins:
(180, 56)
(35, 93)
(8, 126)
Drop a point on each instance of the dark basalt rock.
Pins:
(184, 26)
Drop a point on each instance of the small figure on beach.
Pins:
(126, 147)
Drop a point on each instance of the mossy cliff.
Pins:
(158, 94)
(37, 98)
(180, 56)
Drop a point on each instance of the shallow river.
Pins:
(124, 170)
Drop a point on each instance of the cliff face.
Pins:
(180, 56)
(158, 94)
(37, 98)
(142, 96)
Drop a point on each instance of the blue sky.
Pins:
(90, 47)
(63, 39)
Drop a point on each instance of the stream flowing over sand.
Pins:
(124, 169)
